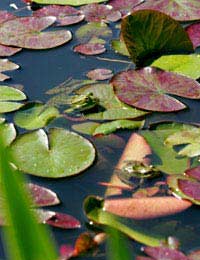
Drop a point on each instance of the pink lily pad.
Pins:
(90, 48)
(148, 89)
(26, 32)
(124, 6)
(100, 74)
(64, 221)
(65, 15)
(190, 188)
(164, 253)
(66, 252)
(194, 172)
(194, 255)
(193, 31)
(5, 16)
(6, 65)
(43, 196)
(100, 12)
(144, 258)
(6, 51)
(180, 10)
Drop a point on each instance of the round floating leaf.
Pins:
(8, 96)
(149, 34)
(68, 2)
(187, 65)
(90, 48)
(60, 154)
(178, 9)
(148, 88)
(26, 32)
(193, 31)
(100, 74)
(97, 13)
(65, 15)
(35, 115)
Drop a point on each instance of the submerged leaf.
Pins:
(26, 32)
(187, 65)
(68, 2)
(65, 15)
(149, 34)
(100, 74)
(6, 65)
(114, 109)
(147, 89)
(178, 9)
(54, 156)
(35, 115)
(9, 97)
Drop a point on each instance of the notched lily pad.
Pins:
(148, 88)
(65, 15)
(26, 32)
(60, 154)
(35, 115)
(160, 35)
(6, 65)
(9, 98)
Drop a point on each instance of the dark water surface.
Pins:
(42, 70)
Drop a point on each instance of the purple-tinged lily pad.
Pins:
(5, 16)
(124, 6)
(149, 34)
(90, 48)
(193, 31)
(26, 32)
(98, 13)
(65, 15)
(43, 196)
(180, 10)
(6, 51)
(190, 188)
(164, 253)
(6, 65)
(100, 74)
(194, 172)
(194, 255)
(147, 89)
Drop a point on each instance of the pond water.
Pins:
(43, 70)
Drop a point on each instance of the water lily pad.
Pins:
(35, 115)
(26, 32)
(178, 9)
(65, 15)
(87, 128)
(114, 109)
(93, 30)
(100, 13)
(9, 97)
(6, 65)
(90, 48)
(6, 51)
(120, 47)
(60, 154)
(100, 74)
(149, 34)
(68, 2)
(193, 31)
(190, 137)
(147, 89)
(7, 133)
(194, 172)
(124, 6)
(187, 65)
(5, 16)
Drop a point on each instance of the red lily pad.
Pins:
(147, 89)
(97, 13)
(180, 10)
(124, 6)
(193, 31)
(194, 172)
(65, 15)
(26, 32)
(43, 196)
(164, 253)
(149, 34)
(100, 74)
(90, 48)
(190, 188)
(6, 51)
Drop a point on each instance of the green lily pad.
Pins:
(149, 34)
(120, 47)
(113, 108)
(8, 96)
(60, 154)
(7, 133)
(187, 65)
(87, 128)
(35, 115)
(68, 2)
